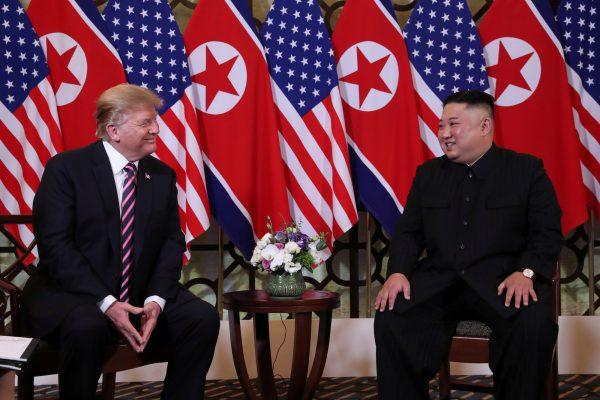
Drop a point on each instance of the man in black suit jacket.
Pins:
(489, 222)
(93, 252)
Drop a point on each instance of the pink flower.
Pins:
(266, 265)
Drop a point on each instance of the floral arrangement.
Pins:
(288, 250)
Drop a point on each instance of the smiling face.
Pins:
(465, 132)
(135, 136)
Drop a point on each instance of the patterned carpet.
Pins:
(572, 387)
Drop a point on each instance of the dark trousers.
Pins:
(412, 345)
(189, 325)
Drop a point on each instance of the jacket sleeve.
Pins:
(544, 235)
(164, 281)
(54, 226)
(408, 240)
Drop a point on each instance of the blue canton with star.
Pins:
(445, 48)
(579, 22)
(150, 46)
(299, 52)
(23, 62)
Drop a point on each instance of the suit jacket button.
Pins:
(462, 271)
(462, 246)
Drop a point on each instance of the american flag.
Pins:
(579, 21)
(311, 122)
(149, 42)
(446, 55)
(29, 129)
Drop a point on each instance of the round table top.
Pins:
(258, 301)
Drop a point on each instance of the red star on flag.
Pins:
(59, 63)
(367, 76)
(215, 77)
(508, 71)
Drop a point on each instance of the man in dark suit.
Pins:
(110, 255)
(489, 222)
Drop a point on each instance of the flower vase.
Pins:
(285, 286)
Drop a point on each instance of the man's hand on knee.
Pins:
(118, 313)
(395, 283)
(518, 286)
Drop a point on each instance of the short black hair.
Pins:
(472, 98)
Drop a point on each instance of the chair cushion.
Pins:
(473, 328)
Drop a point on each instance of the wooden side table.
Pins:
(258, 302)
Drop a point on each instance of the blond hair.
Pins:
(113, 103)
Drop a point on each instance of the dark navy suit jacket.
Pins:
(77, 227)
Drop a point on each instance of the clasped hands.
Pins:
(118, 313)
(517, 286)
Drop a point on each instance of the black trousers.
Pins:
(189, 325)
(412, 345)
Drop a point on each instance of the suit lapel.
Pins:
(106, 185)
(143, 205)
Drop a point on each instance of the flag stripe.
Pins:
(17, 197)
(23, 163)
(42, 111)
(305, 188)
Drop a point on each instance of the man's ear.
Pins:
(486, 126)
(112, 132)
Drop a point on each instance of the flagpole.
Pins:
(591, 269)
(220, 275)
(368, 272)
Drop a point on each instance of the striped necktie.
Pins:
(127, 229)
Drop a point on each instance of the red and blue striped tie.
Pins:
(127, 229)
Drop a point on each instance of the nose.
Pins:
(154, 128)
(444, 132)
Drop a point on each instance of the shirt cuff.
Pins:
(158, 300)
(105, 303)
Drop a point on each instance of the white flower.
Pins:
(280, 258)
(256, 257)
(316, 254)
(292, 267)
(292, 247)
(261, 244)
(312, 247)
(269, 252)
(267, 237)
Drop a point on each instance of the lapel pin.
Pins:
(147, 175)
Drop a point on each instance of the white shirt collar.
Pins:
(116, 159)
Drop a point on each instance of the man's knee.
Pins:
(536, 320)
(85, 323)
(204, 318)
(382, 324)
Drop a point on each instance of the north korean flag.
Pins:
(533, 113)
(380, 107)
(82, 62)
(236, 115)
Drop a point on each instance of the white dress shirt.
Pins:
(117, 164)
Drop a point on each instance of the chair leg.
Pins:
(25, 386)
(444, 380)
(108, 385)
